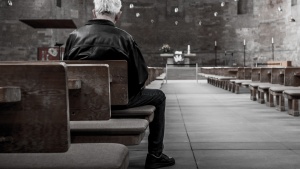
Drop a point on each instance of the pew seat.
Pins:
(161, 76)
(253, 89)
(145, 112)
(235, 85)
(83, 156)
(156, 84)
(263, 90)
(293, 97)
(277, 93)
(123, 131)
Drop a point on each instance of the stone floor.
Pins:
(210, 128)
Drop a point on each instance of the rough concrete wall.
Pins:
(156, 26)
(229, 29)
(19, 41)
(276, 24)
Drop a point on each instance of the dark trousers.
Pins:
(156, 98)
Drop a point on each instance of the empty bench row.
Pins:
(264, 84)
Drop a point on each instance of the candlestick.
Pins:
(216, 54)
(244, 54)
(188, 49)
(272, 40)
(244, 42)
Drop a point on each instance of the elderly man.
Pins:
(100, 39)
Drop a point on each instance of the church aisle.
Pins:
(210, 128)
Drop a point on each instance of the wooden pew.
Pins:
(291, 81)
(277, 80)
(110, 132)
(129, 131)
(293, 95)
(264, 80)
(43, 94)
(293, 101)
(243, 75)
(118, 78)
(119, 88)
(92, 100)
(156, 78)
(34, 122)
(255, 78)
(219, 76)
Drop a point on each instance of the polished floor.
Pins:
(211, 128)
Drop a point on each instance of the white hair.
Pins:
(108, 7)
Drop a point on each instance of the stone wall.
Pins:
(256, 21)
(19, 41)
(277, 24)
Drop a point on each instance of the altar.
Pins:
(171, 60)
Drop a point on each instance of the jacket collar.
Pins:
(100, 22)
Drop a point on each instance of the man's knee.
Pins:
(161, 96)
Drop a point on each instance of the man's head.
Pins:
(105, 9)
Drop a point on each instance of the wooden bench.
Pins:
(89, 87)
(94, 99)
(156, 78)
(243, 75)
(293, 101)
(291, 81)
(118, 87)
(118, 78)
(34, 122)
(219, 76)
(255, 78)
(277, 80)
(264, 80)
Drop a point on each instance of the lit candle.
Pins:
(188, 49)
(272, 40)
(244, 42)
(215, 43)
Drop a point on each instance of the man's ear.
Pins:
(118, 16)
(94, 13)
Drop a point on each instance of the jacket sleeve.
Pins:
(137, 68)
(68, 47)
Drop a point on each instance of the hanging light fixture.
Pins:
(200, 23)
(222, 4)
(176, 22)
(131, 6)
(9, 3)
(152, 21)
(216, 14)
(137, 15)
(176, 10)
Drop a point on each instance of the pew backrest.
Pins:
(291, 76)
(119, 78)
(92, 100)
(255, 74)
(265, 75)
(277, 76)
(38, 122)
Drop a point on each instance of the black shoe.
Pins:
(157, 162)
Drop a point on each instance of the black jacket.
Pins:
(102, 40)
